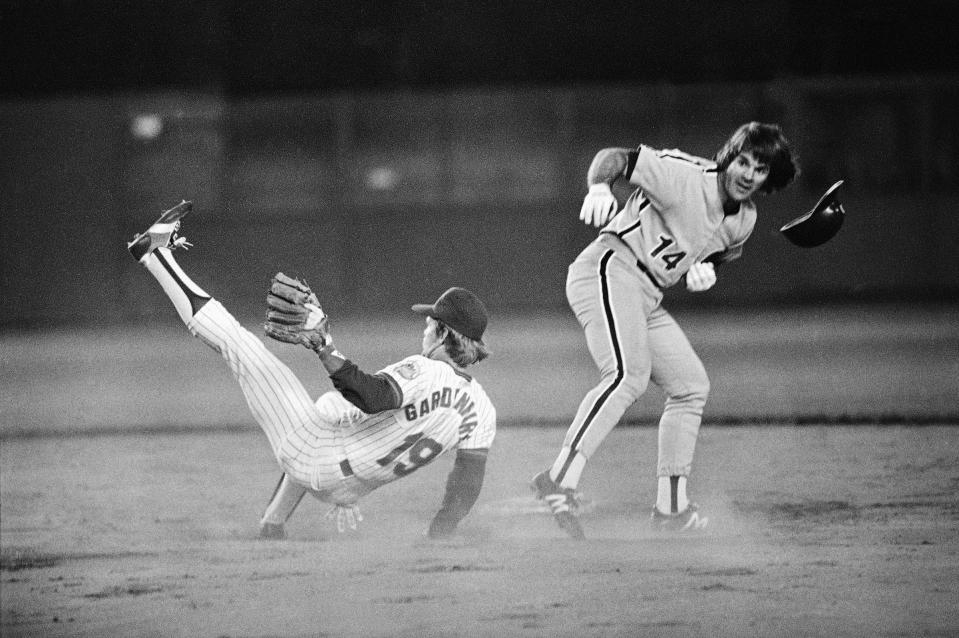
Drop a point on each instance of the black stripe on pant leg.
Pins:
(295, 505)
(276, 490)
(196, 302)
(617, 354)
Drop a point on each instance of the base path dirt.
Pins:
(814, 531)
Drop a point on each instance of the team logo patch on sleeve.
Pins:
(408, 370)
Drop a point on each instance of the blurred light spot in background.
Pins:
(381, 178)
(146, 126)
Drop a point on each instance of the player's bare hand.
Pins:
(599, 206)
(701, 276)
(345, 515)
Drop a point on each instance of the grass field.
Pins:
(132, 479)
(828, 364)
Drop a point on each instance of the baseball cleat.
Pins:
(162, 233)
(688, 520)
(562, 503)
(272, 531)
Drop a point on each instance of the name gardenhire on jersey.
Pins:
(373, 428)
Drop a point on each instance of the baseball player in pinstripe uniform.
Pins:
(685, 216)
(371, 430)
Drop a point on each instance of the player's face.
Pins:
(744, 176)
(430, 337)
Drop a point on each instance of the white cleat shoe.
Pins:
(161, 233)
(689, 520)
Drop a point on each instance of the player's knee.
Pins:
(626, 381)
(635, 384)
(694, 393)
(701, 387)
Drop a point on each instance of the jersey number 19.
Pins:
(422, 451)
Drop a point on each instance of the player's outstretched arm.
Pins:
(462, 489)
(608, 166)
(371, 393)
(294, 314)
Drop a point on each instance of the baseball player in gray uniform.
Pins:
(373, 428)
(684, 217)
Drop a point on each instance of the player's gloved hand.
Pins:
(294, 314)
(599, 206)
(345, 515)
(701, 276)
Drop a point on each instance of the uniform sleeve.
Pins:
(411, 376)
(371, 393)
(463, 487)
(662, 174)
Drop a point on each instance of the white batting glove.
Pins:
(345, 515)
(599, 206)
(701, 276)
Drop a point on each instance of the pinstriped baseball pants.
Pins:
(632, 340)
(305, 446)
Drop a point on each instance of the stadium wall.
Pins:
(382, 197)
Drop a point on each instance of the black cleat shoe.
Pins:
(272, 531)
(161, 233)
(562, 502)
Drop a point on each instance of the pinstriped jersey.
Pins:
(675, 218)
(443, 408)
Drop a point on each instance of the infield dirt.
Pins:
(812, 533)
(132, 480)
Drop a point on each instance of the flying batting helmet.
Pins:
(818, 225)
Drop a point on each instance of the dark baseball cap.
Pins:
(459, 309)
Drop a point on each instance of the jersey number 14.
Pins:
(671, 259)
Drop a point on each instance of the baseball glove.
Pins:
(294, 314)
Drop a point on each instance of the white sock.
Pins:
(186, 296)
(671, 494)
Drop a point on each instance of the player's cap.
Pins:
(459, 309)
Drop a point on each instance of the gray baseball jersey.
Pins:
(672, 220)
(675, 218)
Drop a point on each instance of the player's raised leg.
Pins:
(276, 398)
(186, 296)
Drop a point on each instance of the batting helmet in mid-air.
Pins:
(818, 225)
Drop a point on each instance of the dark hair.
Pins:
(460, 348)
(768, 145)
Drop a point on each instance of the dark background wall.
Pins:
(242, 47)
(388, 150)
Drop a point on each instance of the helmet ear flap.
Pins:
(820, 224)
